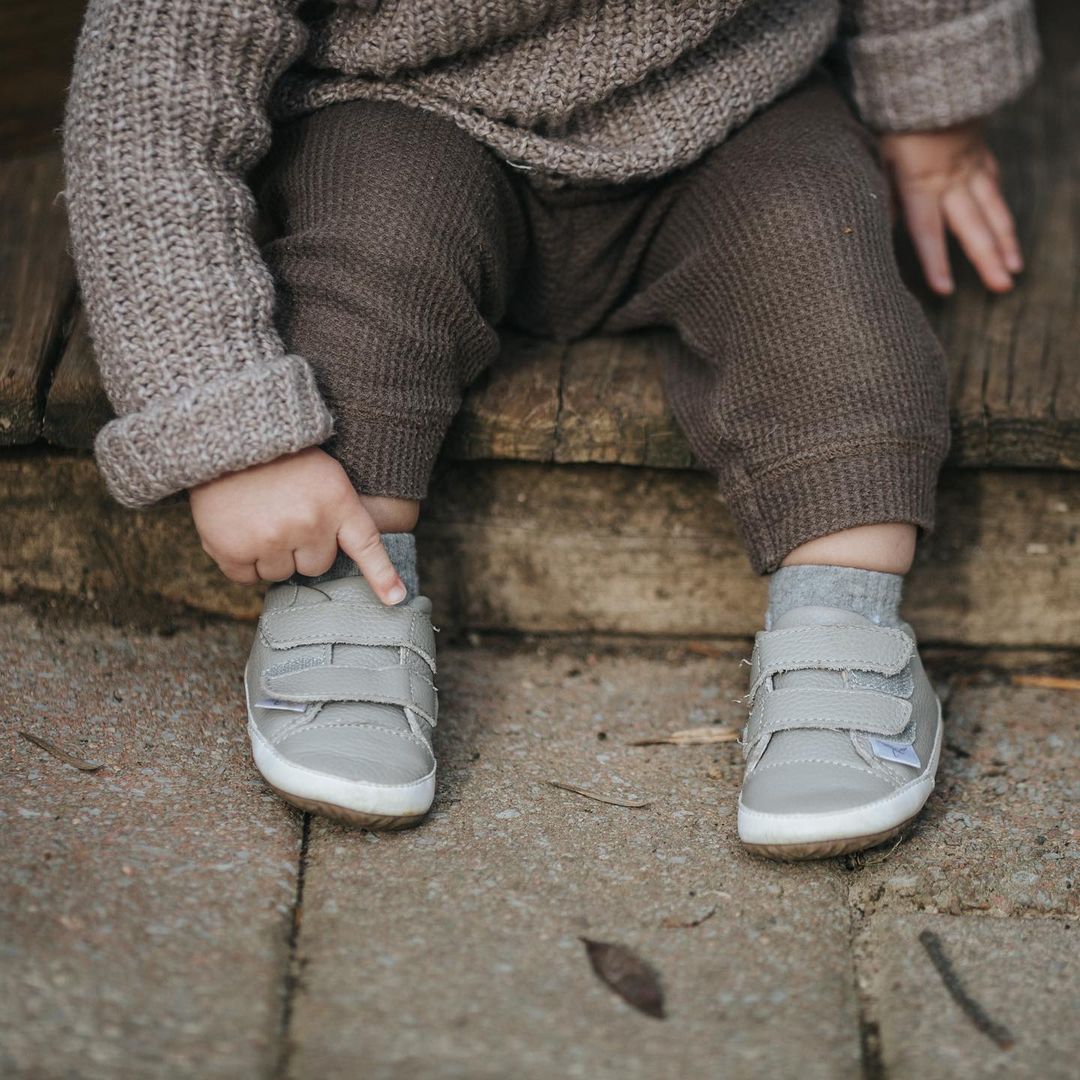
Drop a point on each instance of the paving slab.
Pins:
(146, 907)
(999, 835)
(455, 950)
(1011, 1010)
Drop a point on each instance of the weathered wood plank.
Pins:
(1015, 359)
(556, 548)
(613, 405)
(36, 289)
(76, 408)
(510, 412)
(37, 41)
(653, 551)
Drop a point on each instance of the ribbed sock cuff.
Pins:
(870, 593)
(400, 546)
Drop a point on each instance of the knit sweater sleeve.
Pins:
(926, 64)
(167, 112)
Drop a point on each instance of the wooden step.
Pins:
(1014, 361)
(523, 546)
(37, 291)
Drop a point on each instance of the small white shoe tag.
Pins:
(285, 706)
(901, 753)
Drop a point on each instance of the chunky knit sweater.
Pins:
(172, 101)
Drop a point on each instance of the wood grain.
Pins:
(510, 412)
(613, 407)
(76, 408)
(518, 546)
(1014, 360)
(36, 289)
(37, 42)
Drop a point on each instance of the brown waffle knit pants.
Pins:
(811, 384)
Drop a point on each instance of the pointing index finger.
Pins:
(360, 540)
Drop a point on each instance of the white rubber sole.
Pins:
(798, 836)
(355, 802)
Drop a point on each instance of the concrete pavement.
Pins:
(165, 916)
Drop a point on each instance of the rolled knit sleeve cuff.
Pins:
(229, 423)
(962, 69)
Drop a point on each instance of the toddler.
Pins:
(565, 167)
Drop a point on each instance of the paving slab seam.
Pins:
(293, 964)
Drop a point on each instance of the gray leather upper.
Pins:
(824, 682)
(360, 675)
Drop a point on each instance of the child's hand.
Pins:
(291, 515)
(950, 177)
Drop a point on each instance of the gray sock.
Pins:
(869, 592)
(400, 546)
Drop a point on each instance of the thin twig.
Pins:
(702, 736)
(705, 648)
(51, 748)
(998, 1033)
(673, 923)
(633, 804)
(1046, 682)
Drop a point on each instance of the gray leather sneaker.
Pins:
(844, 735)
(341, 703)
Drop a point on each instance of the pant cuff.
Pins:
(391, 456)
(786, 506)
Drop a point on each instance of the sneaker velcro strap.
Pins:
(829, 648)
(345, 623)
(830, 710)
(395, 685)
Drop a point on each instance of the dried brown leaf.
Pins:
(623, 971)
(63, 755)
(1046, 682)
(701, 736)
(611, 800)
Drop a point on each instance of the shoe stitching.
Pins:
(821, 761)
(288, 728)
(911, 785)
(810, 724)
(408, 736)
(288, 644)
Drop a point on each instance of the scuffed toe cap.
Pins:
(811, 787)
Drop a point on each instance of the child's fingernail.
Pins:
(396, 594)
(1014, 263)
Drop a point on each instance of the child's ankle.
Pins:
(392, 515)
